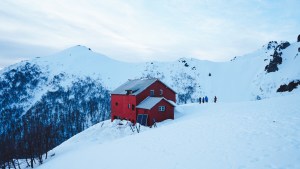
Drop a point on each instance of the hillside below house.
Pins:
(251, 134)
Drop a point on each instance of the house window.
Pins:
(133, 107)
(161, 108)
(116, 103)
(161, 92)
(151, 92)
(128, 106)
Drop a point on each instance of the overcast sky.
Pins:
(137, 30)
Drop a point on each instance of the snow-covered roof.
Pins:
(136, 86)
(150, 102)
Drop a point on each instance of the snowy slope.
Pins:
(251, 134)
(82, 61)
(243, 78)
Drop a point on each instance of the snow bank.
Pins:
(252, 134)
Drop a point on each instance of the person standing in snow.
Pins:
(199, 100)
(206, 99)
(203, 100)
(215, 99)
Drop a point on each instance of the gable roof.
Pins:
(150, 102)
(136, 86)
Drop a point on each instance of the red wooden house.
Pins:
(144, 101)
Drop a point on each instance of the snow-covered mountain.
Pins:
(242, 78)
(67, 92)
(249, 77)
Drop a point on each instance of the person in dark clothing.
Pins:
(203, 100)
(206, 99)
(215, 99)
(200, 100)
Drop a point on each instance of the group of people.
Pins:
(205, 99)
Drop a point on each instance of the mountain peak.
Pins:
(78, 48)
(82, 47)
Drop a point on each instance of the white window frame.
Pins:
(161, 92)
(161, 108)
(152, 91)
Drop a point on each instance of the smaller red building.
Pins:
(145, 101)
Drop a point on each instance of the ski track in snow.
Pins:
(252, 134)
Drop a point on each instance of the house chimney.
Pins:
(128, 92)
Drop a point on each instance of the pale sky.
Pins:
(144, 30)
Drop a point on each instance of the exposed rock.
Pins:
(233, 59)
(272, 45)
(283, 45)
(298, 38)
(277, 59)
(290, 87)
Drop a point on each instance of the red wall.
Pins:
(158, 115)
(167, 92)
(122, 109)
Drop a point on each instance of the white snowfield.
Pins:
(241, 135)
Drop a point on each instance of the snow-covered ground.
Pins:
(250, 134)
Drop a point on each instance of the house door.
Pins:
(142, 119)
